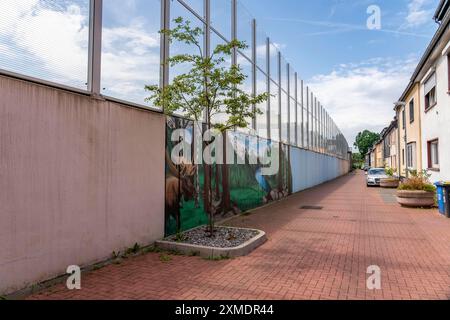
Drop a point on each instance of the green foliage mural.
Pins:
(235, 188)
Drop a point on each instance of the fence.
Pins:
(113, 49)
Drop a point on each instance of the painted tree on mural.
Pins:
(208, 89)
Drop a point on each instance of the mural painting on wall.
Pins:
(225, 190)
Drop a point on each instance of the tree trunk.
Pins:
(226, 197)
(217, 182)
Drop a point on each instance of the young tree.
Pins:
(209, 88)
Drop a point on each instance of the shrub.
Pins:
(390, 171)
(419, 181)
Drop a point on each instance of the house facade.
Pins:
(434, 79)
(410, 134)
(390, 145)
(379, 155)
(421, 135)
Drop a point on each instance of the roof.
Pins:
(442, 15)
(441, 10)
(389, 129)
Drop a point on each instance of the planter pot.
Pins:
(389, 183)
(416, 199)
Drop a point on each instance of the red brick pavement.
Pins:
(310, 255)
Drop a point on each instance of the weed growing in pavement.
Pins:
(165, 258)
(222, 257)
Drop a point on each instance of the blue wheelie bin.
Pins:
(446, 191)
(440, 197)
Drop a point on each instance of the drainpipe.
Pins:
(406, 145)
(403, 121)
(399, 154)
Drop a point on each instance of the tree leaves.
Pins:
(209, 87)
(365, 140)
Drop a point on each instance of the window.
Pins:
(433, 154)
(430, 92)
(403, 156)
(411, 155)
(448, 71)
(404, 118)
(411, 111)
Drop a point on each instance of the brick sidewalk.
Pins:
(310, 255)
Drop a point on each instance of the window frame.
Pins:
(412, 111)
(448, 72)
(428, 104)
(411, 149)
(433, 166)
(404, 118)
(431, 92)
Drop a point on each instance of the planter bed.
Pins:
(416, 199)
(226, 243)
(389, 183)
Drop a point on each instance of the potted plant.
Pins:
(417, 191)
(390, 181)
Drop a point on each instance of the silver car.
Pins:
(374, 176)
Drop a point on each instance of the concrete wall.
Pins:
(310, 169)
(79, 178)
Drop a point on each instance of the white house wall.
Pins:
(436, 123)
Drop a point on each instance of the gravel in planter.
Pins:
(223, 237)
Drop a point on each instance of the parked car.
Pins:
(366, 168)
(374, 176)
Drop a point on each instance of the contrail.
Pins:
(344, 27)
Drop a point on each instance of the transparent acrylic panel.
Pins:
(294, 115)
(292, 82)
(244, 28)
(311, 124)
(274, 62)
(181, 48)
(301, 125)
(221, 17)
(261, 48)
(247, 86)
(319, 128)
(130, 49)
(307, 118)
(221, 116)
(314, 122)
(284, 116)
(261, 120)
(196, 6)
(274, 112)
(284, 74)
(46, 39)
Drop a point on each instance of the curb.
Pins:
(215, 253)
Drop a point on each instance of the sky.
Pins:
(356, 73)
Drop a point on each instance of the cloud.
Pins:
(418, 13)
(360, 96)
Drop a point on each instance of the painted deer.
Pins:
(179, 185)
